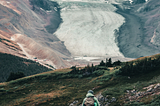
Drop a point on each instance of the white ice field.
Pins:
(88, 28)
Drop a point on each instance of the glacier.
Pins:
(88, 27)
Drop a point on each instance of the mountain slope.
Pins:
(138, 36)
(30, 25)
(64, 86)
(10, 63)
(34, 27)
(9, 46)
(150, 13)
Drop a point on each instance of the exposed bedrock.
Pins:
(139, 35)
(35, 21)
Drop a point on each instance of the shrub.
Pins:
(80, 76)
(117, 63)
(102, 68)
(139, 67)
(98, 73)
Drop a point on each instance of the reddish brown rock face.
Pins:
(29, 33)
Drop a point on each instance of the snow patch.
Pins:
(131, 1)
(15, 36)
(42, 9)
(48, 11)
(87, 58)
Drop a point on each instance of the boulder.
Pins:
(149, 90)
(133, 91)
(101, 98)
(113, 99)
(157, 86)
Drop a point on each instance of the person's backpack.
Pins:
(89, 101)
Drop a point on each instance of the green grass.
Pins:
(60, 87)
(47, 90)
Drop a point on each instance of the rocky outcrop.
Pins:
(139, 35)
(150, 12)
(135, 95)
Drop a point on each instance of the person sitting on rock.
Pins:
(90, 99)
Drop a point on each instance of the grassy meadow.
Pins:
(62, 87)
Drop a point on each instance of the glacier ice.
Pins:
(88, 27)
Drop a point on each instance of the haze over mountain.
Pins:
(64, 31)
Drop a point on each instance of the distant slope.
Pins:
(151, 15)
(139, 36)
(30, 25)
(10, 63)
(9, 46)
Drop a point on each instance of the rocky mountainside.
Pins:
(139, 35)
(151, 15)
(57, 30)
(27, 27)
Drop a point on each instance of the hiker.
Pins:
(90, 99)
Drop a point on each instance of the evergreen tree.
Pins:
(102, 63)
(117, 63)
(93, 68)
(110, 62)
(106, 62)
(89, 69)
(73, 69)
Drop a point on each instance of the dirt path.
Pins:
(24, 51)
(31, 57)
